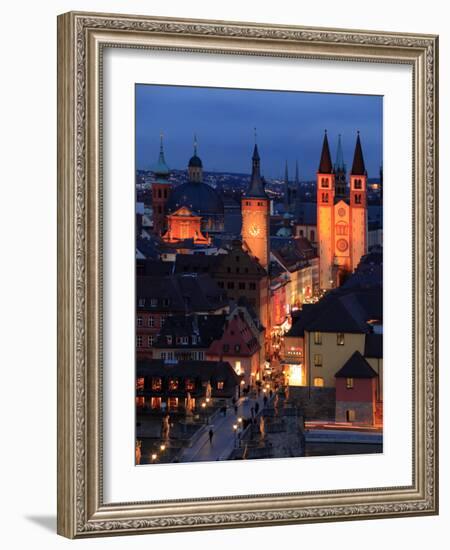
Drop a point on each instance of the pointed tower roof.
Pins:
(325, 166)
(339, 165)
(161, 168)
(256, 186)
(358, 167)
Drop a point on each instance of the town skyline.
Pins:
(225, 129)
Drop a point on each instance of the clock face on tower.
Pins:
(342, 245)
(254, 230)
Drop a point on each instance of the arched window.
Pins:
(357, 199)
(324, 197)
(324, 182)
(358, 184)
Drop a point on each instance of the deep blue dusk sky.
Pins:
(290, 126)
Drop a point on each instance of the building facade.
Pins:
(341, 220)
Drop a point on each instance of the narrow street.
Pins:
(224, 435)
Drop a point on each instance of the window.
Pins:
(350, 415)
(230, 285)
(190, 384)
(139, 321)
(312, 236)
(220, 284)
(301, 233)
(220, 385)
(173, 384)
(162, 320)
(156, 402)
(252, 286)
(349, 383)
(237, 348)
(169, 339)
(141, 302)
(318, 338)
(166, 302)
(318, 382)
(150, 341)
(226, 347)
(324, 197)
(165, 193)
(153, 302)
(317, 359)
(140, 383)
(159, 193)
(156, 384)
(324, 182)
(340, 339)
(241, 286)
(238, 368)
(358, 184)
(151, 321)
(194, 339)
(357, 199)
(139, 341)
(341, 229)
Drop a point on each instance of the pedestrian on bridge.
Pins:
(211, 434)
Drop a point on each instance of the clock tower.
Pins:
(255, 215)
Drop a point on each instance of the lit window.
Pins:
(140, 383)
(139, 321)
(317, 338)
(190, 384)
(350, 415)
(151, 321)
(340, 339)
(349, 383)
(220, 385)
(169, 339)
(237, 367)
(319, 382)
(317, 359)
(139, 341)
(156, 384)
(150, 341)
(173, 384)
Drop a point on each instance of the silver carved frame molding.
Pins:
(81, 39)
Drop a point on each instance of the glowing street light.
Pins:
(163, 447)
(154, 456)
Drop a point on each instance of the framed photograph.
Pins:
(247, 288)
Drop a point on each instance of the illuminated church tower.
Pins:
(255, 215)
(358, 206)
(341, 219)
(325, 216)
(161, 189)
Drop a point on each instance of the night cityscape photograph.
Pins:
(259, 274)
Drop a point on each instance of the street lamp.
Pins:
(163, 447)
(235, 427)
(154, 456)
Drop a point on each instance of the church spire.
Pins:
(286, 187)
(256, 186)
(161, 168)
(339, 164)
(325, 166)
(358, 167)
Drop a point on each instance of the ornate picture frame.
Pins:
(82, 38)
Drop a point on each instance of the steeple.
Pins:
(325, 166)
(339, 164)
(256, 186)
(161, 168)
(286, 187)
(339, 170)
(358, 167)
